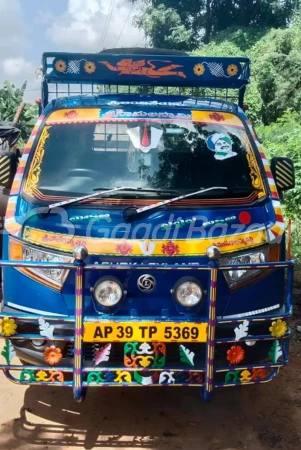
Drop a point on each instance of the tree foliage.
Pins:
(276, 61)
(10, 99)
(284, 138)
(200, 20)
(164, 28)
(228, 48)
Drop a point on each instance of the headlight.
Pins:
(188, 292)
(235, 277)
(52, 277)
(108, 292)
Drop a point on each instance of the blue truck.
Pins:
(144, 239)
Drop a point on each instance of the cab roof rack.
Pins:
(168, 72)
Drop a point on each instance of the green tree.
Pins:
(205, 18)
(10, 99)
(284, 138)
(276, 61)
(164, 29)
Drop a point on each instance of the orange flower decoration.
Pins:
(236, 354)
(52, 355)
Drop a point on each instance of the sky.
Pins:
(30, 27)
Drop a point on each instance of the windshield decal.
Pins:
(145, 141)
(79, 115)
(221, 144)
(121, 114)
(255, 173)
(89, 216)
(35, 167)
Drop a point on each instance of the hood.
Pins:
(173, 232)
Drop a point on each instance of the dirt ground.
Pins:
(261, 417)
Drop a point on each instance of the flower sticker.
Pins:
(170, 249)
(52, 355)
(124, 248)
(61, 66)
(278, 328)
(90, 67)
(199, 69)
(8, 327)
(232, 70)
(71, 114)
(235, 354)
(217, 116)
(221, 145)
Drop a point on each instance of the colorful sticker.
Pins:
(147, 247)
(103, 355)
(246, 376)
(121, 114)
(46, 330)
(242, 330)
(276, 352)
(186, 356)
(221, 144)
(235, 354)
(145, 355)
(51, 376)
(148, 68)
(278, 328)
(52, 355)
(8, 327)
(145, 139)
(101, 246)
(8, 351)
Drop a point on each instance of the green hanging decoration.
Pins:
(186, 356)
(8, 351)
(275, 353)
(28, 375)
(159, 361)
(95, 377)
(232, 377)
(131, 348)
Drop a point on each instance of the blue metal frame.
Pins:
(143, 70)
(79, 319)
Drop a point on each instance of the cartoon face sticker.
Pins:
(221, 145)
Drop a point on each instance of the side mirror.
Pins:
(283, 171)
(8, 168)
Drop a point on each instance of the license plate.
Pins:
(145, 332)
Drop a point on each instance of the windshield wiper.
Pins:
(131, 213)
(157, 191)
(103, 192)
(100, 192)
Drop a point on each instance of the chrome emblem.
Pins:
(146, 283)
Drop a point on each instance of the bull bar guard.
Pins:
(82, 376)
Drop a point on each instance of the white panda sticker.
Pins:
(221, 145)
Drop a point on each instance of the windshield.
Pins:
(73, 159)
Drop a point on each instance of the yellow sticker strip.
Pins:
(135, 247)
(74, 116)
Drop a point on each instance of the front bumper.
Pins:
(241, 351)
